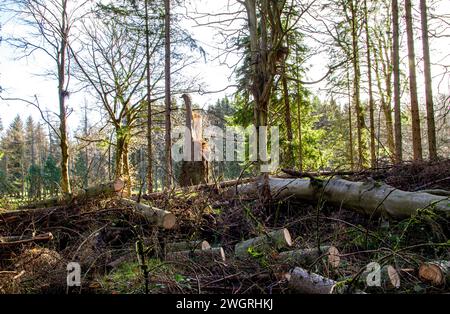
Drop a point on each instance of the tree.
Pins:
(396, 73)
(432, 149)
(168, 99)
(417, 138)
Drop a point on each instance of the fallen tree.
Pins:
(153, 215)
(274, 240)
(371, 198)
(101, 190)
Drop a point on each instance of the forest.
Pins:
(224, 147)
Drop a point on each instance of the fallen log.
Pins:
(204, 257)
(187, 246)
(16, 240)
(371, 198)
(101, 190)
(436, 273)
(156, 216)
(274, 240)
(306, 257)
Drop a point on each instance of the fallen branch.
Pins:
(204, 257)
(274, 240)
(187, 246)
(16, 240)
(156, 216)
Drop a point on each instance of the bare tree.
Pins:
(396, 72)
(168, 95)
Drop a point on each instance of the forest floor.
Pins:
(101, 236)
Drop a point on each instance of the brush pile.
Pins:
(206, 239)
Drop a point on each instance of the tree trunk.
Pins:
(350, 124)
(302, 281)
(272, 241)
(202, 257)
(64, 142)
(373, 156)
(417, 140)
(428, 82)
(168, 100)
(149, 104)
(369, 198)
(396, 72)
(287, 119)
(356, 87)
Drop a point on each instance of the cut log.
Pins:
(156, 216)
(436, 273)
(187, 246)
(274, 240)
(302, 281)
(204, 257)
(16, 240)
(371, 198)
(102, 190)
(307, 257)
(389, 278)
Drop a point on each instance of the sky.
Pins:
(23, 77)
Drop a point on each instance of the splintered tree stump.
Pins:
(307, 257)
(153, 215)
(436, 273)
(204, 257)
(274, 240)
(388, 276)
(187, 246)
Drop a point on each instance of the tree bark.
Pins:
(417, 138)
(432, 149)
(272, 241)
(369, 198)
(396, 72)
(204, 257)
(287, 119)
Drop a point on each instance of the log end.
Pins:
(287, 237)
(118, 185)
(432, 274)
(334, 258)
(169, 220)
(204, 245)
(394, 277)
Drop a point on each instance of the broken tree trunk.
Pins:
(153, 215)
(187, 246)
(436, 273)
(204, 257)
(370, 198)
(306, 257)
(16, 240)
(102, 190)
(274, 240)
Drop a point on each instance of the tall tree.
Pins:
(148, 55)
(416, 136)
(396, 73)
(168, 97)
(428, 82)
